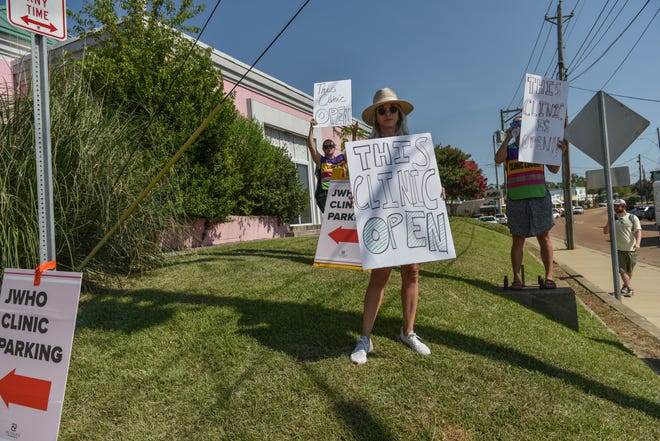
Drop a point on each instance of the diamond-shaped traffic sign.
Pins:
(45, 17)
(623, 126)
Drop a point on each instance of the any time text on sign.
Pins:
(45, 17)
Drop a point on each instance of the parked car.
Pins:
(578, 209)
(555, 213)
(643, 212)
(501, 219)
(488, 219)
(602, 204)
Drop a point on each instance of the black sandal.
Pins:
(549, 284)
(517, 285)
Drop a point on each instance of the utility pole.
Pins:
(566, 161)
(641, 183)
(498, 208)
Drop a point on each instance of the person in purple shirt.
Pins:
(330, 165)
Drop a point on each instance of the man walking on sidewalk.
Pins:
(628, 232)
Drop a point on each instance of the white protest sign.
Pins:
(338, 240)
(36, 335)
(400, 214)
(543, 115)
(332, 103)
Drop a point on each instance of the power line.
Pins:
(538, 61)
(531, 55)
(591, 47)
(613, 43)
(631, 49)
(570, 63)
(619, 95)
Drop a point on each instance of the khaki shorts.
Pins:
(627, 261)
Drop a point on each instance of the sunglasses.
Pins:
(516, 123)
(328, 146)
(382, 110)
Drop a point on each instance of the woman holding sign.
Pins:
(387, 116)
(528, 204)
(330, 165)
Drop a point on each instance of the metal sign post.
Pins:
(42, 147)
(610, 194)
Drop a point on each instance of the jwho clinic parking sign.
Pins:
(37, 323)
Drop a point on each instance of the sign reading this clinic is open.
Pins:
(332, 103)
(543, 116)
(400, 213)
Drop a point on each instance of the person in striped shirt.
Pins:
(528, 204)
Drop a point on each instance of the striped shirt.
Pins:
(524, 180)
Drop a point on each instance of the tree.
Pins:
(578, 181)
(461, 176)
(142, 64)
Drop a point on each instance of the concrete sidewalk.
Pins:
(593, 270)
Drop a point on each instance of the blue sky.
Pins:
(459, 62)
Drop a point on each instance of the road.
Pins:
(588, 232)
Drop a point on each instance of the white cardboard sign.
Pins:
(543, 115)
(400, 213)
(338, 241)
(36, 334)
(332, 103)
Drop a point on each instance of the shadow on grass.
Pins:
(287, 327)
(210, 255)
(615, 344)
(268, 253)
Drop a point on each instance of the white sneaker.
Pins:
(415, 343)
(629, 292)
(363, 347)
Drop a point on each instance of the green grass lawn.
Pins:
(251, 342)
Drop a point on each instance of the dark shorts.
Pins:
(627, 261)
(530, 217)
(321, 196)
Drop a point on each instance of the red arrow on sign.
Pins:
(28, 20)
(25, 391)
(344, 235)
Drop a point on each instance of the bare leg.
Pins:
(625, 277)
(374, 297)
(409, 295)
(517, 256)
(547, 254)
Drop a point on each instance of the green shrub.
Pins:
(96, 176)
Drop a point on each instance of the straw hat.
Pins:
(382, 96)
